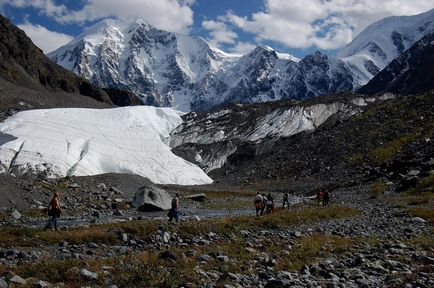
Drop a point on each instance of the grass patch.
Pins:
(425, 213)
(425, 242)
(388, 150)
(378, 188)
(103, 234)
(311, 248)
(278, 220)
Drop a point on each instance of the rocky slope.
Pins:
(241, 132)
(381, 42)
(410, 73)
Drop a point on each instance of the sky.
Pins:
(298, 27)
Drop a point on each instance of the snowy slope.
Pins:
(410, 73)
(61, 142)
(381, 42)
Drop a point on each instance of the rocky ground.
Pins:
(365, 239)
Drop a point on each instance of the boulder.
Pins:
(88, 275)
(150, 198)
(16, 215)
(196, 197)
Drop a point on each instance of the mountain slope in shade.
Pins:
(381, 42)
(24, 64)
(412, 72)
(170, 69)
(82, 142)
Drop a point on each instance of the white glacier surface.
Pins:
(81, 142)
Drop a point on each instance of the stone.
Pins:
(17, 280)
(41, 284)
(88, 274)
(195, 218)
(124, 237)
(118, 213)
(150, 198)
(167, 255)
(204, 258)
(166, 237)
(362, 282)
(16, 215)
(74, 185)
(96, 213)
(101, 186)
(413, 172)
(223, 258)
(196, 197)
(418, 219)
(3, 283)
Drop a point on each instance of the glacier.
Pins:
(82, 142)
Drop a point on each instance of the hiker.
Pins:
(270, 203)
(174, 210)
(264, 203)
(285, 199)
(326, 198)
(258, 203)
(54, 211)
(319, 196)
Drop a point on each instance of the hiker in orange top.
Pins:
(319, 196)
(54, 210)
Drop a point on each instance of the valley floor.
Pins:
(364, 239)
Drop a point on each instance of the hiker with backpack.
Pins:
(258, 203)
(174, 210)
(54, 211)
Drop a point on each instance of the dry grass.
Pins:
(378, 188)
(423, 212)
(312, 248)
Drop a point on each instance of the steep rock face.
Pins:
(381, 42)
(410, 73)
(169, 69)
(24, 64)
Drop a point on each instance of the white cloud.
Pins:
(325, 24)
(220, 33)
(171, 15)
(242, 48)
(43, 38)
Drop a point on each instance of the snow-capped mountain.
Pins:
(185, 72)
(81, 142)
(170, 69)
(381, 42)
(410, 73)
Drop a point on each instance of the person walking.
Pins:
(326, 198)
(174, 210)
(258, 203)
(270, 203)
(54, 211)
(286, 199)
(319, 197)
(264, 203)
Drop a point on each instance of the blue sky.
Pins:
(298, 27)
